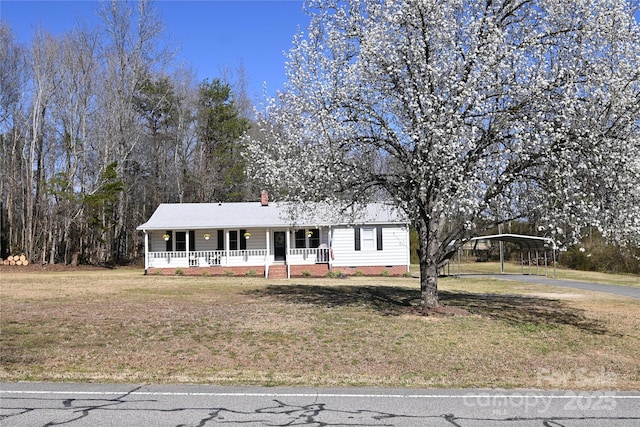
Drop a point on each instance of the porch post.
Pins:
(330, 234)
(187, 248)
(287, 256)
(146, 251)
(267, 258)
(226, 247)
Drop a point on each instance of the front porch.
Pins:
(238, 262)
(237, 251)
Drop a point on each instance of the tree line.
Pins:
(97, 129)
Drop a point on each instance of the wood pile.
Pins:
(15, 260)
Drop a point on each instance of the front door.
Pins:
(279, 245)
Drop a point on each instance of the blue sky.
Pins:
(209, 34)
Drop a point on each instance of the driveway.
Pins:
(627, 291)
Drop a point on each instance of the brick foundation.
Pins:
(320, 270)
(313, 270)
(209, 271)
(393, 270)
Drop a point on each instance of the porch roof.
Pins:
(171, 216)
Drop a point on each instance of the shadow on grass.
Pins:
(530, 312)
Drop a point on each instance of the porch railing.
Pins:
(167, 259)
(252, 257)
(308, 256)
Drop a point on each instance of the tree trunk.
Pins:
(428, 256)
(428, 284)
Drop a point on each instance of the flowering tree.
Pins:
(464, 114)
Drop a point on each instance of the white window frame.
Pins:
(368, 243)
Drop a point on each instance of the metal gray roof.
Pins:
(170, 216)
(525, 242)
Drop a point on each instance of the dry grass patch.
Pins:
(122, 326)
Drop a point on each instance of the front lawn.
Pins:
(121, 326)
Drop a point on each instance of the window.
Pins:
(301, 240)
(233, 240)
(181, 241)
(314, 238)
(368, 239)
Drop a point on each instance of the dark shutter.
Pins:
(379, 238)
(243, 240)
(357, 238)
(220, 240)
(192, 240)
(169, 243)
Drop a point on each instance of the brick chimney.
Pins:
(264, 198)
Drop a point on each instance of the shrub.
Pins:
(179, 272)
(596, 254)
(330, 274)
(385, 273)
(228, 273)
(306, 273)
(359, 273)
(251, 273)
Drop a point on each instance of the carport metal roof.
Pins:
(527, 243)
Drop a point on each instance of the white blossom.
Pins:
(464, 114)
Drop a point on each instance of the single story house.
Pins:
(261, 238)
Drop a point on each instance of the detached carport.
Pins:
(529, 244)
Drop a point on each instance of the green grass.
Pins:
(121, 326)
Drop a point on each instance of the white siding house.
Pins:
(261, 238)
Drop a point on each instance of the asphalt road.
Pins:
(627, 291)
(46, 404)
